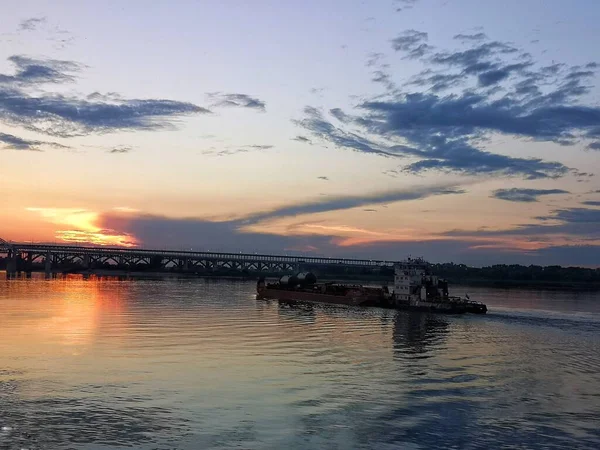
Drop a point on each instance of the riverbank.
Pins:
(374, 280)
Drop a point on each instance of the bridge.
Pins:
(29, 257)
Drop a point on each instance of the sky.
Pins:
(464, 131)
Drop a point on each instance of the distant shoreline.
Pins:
(353, 279)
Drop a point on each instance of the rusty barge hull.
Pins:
(315, 297)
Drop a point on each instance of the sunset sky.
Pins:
(465, 130)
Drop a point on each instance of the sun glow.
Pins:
(82, 227)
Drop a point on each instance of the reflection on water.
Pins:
(109, 364)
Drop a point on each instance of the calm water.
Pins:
(107, 364)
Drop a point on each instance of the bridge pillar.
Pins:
(11, 263)
(29, 264)
(48, 264)
(86, 262)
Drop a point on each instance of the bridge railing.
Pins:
(115, 251)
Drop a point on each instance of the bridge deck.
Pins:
(116, 252)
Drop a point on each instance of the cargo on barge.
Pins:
(415, 288)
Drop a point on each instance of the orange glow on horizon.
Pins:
(83, 228)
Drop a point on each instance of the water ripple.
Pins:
(105, 364)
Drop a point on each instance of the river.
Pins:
(201, 364)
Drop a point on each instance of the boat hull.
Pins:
(365, 299)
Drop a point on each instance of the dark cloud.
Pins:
(348, 202)
(320, 127)
(30, 71)
(64, 116)
(120, 149)
(591, 203)
(495, 88)
(524, 195)
(303, 139)
(475, 60)
(413, 43)
(12, 142)
(339, 115)
(323, 178)
(471, 37)
(229, 236)
(224, 236)
(237, 100)
(32, 23)
(370, 210)
(436, 82)
(582, 223)
(594, 146)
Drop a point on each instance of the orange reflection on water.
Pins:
(53, 317)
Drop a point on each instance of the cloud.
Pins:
(121, 149)
(237, 100)
(319, 127)
(230, 236)
(321, 205)
(580, 223)
(471, 37)
(402, 5)
(594, 146)
(302, 139)
(445, 115)
(32, 23)
(16, 143)
(204, 235)
(30, 71)
(260, 147)
(591, 203)
(524, 195)
(235, 150)
(323, 178)
(66, 116)
(412, 42)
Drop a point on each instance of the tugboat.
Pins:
(415, 288)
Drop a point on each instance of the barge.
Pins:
(415, 288)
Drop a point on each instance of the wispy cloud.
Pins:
(121, 149)
(32, 23)
(236, 100)
(12, 142)
(332, 203)
(64, 116)
(471, 37)
(322, 128)
(402, 5)
(445, 115)
(302, 139)
(524, 195)
(413, 43)
(31, 71)
(582, 224)
(230, 150)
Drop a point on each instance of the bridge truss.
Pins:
(29, 257)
